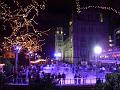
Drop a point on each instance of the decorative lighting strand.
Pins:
(18, 19)
(79, 8)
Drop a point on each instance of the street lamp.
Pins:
(57, 55)
(97, 51)
(17, 49)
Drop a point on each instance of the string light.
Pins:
(23, 30)
(79, 8)
(31, 42)
(20, 18)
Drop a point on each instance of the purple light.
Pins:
(18, 48)
(97, 50)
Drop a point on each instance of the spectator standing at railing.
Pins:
(59, 78)
(41, 75)
(98, 84)
(84, 79)
(24, 77)
(98, 81)
(56, 77)
(63, 77)
(75, 78)
(79, 79)
(53, 76)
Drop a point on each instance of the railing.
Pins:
(12, 80)
(78, 81)
(75, 81)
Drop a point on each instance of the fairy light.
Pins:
(19, 18)
(79, 8)
(31, 42)
(28, 41)
(100, 7)
(21, 25)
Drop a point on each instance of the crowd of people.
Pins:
(25, 74)
(35, 72)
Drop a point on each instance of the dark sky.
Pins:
(59, 12)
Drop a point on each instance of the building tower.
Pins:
(90, 28)
(59, 43)
(68, 46)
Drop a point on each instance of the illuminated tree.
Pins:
(80, 8)
(22, 22)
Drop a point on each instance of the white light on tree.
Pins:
(97, 50)
(18, 48)
(30, 52)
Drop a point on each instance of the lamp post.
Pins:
(17, 49)
(97, 51)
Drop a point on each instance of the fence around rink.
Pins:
(74, 81)
(78, 81)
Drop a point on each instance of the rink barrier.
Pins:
(75, 81)
(78, 81)
(17, 81)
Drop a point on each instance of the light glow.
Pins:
(37, 61)
(1, 65)
(97, 50)
(57, 54)
(18, 48)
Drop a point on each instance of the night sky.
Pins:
(58, 13)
